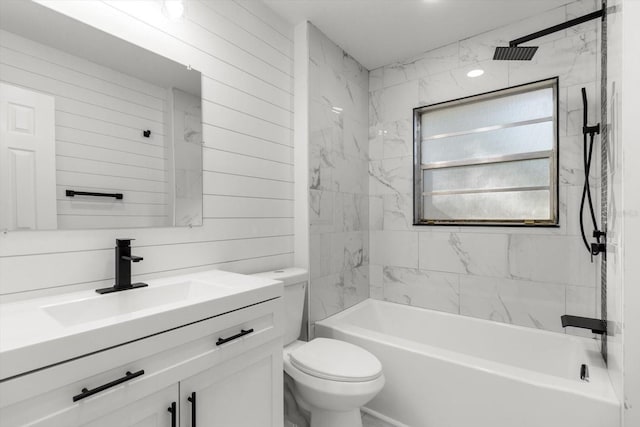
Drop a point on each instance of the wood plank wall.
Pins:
(244, 52)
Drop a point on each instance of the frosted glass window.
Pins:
(479, 114)
(489, 159)
(500, 142)
(513, 205)
(493, 176)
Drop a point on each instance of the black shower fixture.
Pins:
(599, 247)
(515, 52)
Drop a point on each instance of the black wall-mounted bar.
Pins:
(73, 193)
(576, 21)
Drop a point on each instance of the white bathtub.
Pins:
(445, 370)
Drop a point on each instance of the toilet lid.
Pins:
(336, 360)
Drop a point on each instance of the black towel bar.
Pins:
(73, 193)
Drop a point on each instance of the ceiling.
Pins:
(379, 32)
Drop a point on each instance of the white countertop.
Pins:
(31, 338)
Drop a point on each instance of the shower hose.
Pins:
(587, 157)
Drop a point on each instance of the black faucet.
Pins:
(123, 268)
(597, 326)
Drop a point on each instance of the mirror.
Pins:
(96, 132)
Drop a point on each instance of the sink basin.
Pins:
(85, 310)
(52, 329)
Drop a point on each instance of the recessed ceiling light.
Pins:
(173, 8)
(475, 73)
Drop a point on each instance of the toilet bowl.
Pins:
(332, 378)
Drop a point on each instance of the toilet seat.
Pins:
(336, 360)
(330, 395)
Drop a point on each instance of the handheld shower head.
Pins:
(514, 53)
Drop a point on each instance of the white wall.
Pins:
(338, 180)
(244, 52)
(630, 95)
(523, 276)
(615, 197)
(623, 233)
(301, 143)
(100, 115)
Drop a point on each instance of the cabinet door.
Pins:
(243, 392)
(150, 411)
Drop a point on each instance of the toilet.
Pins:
(333, 378)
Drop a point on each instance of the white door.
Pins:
(27, 160)
(243, 392)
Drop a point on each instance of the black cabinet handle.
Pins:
(236, 336)
(192, 399)
(172, 411)
(86, 392)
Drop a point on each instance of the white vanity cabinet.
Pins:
(232, 361)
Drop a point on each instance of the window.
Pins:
(489, 159)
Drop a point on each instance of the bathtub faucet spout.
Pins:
(597, 326)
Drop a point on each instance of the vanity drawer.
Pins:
(46, 397)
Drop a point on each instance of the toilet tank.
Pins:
(295, 283)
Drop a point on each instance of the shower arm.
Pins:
(573, 22)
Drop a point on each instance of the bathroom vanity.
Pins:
(196, 350)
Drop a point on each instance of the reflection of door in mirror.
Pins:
(27, 160)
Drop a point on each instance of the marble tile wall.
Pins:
(523, 276)
(338, 178)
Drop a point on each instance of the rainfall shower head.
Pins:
(514, 53)
(525, 53)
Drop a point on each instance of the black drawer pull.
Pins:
(86, 392)
(192, 399)
(236, 336)
(173, 412)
